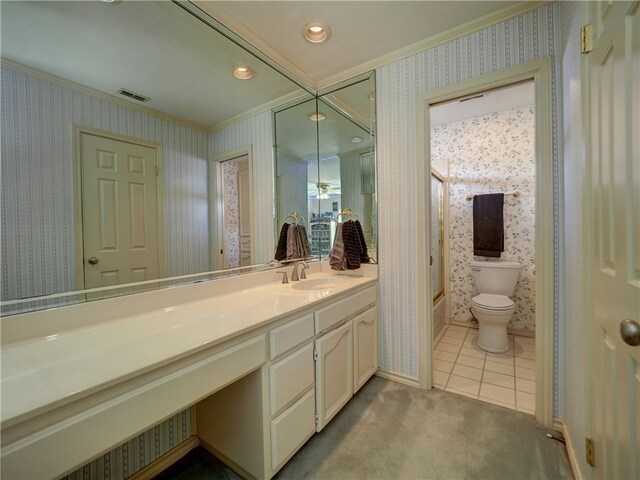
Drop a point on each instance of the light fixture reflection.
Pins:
(242, 72)
(317, 116)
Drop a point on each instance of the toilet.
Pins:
(495, 282)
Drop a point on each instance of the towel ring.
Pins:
(295, 217)
(345, 213)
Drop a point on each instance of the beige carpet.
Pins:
(392, 431)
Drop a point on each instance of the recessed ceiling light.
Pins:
(316, 32)
(317, 116)
(356, 139)
(242, 72)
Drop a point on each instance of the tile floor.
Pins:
(506, 379)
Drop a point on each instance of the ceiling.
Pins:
(361, 31)
(160, 51)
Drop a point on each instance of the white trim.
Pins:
(571, 453)
(77, 131)
(283, 100)
(398, 377)
(540, 71)
(77, 87)
(433, 41)
(216, 213)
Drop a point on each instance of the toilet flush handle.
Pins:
(475, 269)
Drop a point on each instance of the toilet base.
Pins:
(493, 337)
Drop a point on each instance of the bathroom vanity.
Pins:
(263, 364)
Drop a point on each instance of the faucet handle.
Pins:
(285, 279)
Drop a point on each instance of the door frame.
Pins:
(77, 131)
(216, 203)
(540, 72)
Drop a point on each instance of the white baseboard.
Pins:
(571, 453)
(160, 464)
(397, 377)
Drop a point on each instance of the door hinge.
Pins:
(589, 452)
(317, 419)
(221, 252)
(315, 354)
(157, 171)
(586, 44)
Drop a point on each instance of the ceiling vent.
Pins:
(133, 95)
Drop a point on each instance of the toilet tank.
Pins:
(498, 278)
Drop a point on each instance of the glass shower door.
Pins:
(437, 273)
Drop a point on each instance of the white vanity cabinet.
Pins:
(345, 357)
(334, 373)
(291, 388)
(365, 347)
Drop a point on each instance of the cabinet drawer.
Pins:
(287, 336)
(291, 429)
(328, 316)
(290, 377)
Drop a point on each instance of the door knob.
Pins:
(630, 332)
(93, 260)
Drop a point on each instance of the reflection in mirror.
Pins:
(71, 136)
(329, 142)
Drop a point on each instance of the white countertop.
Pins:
(47, 371)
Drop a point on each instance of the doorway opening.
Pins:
(537, 73)
(232, 213)
(484, 144)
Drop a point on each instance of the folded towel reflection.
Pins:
(347, 251)
(293, 242)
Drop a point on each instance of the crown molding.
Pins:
(256, 43)
(77, 87)
(291, 97)
(433, 41)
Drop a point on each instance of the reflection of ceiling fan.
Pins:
(323, 190)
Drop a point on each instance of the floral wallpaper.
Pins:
(231, 214)
(490, 154)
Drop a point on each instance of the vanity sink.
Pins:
(315, 284)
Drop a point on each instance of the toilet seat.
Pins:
(494, 303)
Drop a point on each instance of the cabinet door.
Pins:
(334, 373)
(365, 347)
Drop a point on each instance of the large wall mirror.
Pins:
(74, 148)
(129, 145)
(325, 164)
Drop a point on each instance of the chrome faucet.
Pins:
(294, 274)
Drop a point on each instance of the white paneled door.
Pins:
(119, 211)
(612, 124)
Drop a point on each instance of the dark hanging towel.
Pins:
(364, 254)
(352, 245)
(281, 249)
(488, 224)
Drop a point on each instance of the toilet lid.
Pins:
(493, 302)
